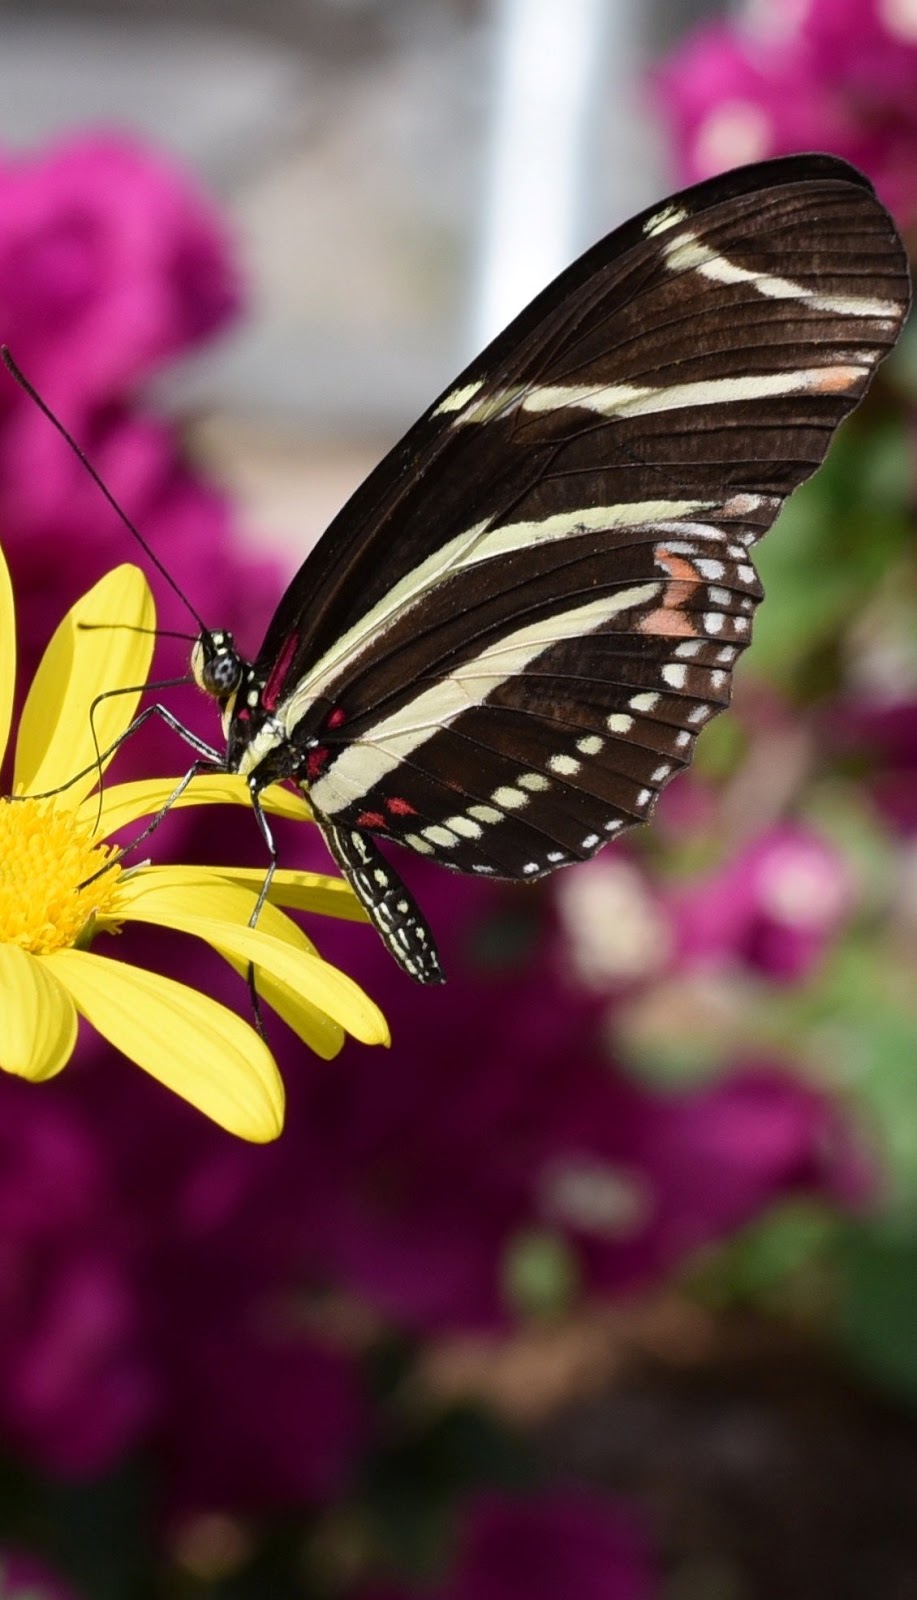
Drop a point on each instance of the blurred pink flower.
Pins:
(258, 1419)
(667, 1174)
(75, 1392)
(500, 1113)
(254, 1409)
(550, 1546)
(26, 1577)
(775, 907)
(111, 262)
(152, 1304)
(882, 735)
(795, 75)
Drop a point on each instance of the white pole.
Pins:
(551, 77)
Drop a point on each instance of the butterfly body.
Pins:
(508, 640)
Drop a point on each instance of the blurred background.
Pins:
(617, 1298)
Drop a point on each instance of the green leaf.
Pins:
(878, 1316)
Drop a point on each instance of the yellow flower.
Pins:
(61, 886)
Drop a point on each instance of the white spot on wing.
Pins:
(458, 398)
(486, 814)
(444, 837)
(418, 844)
(509, 799)
(465, 827)
(565, 765)
(660, 221)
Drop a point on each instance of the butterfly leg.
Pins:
(392, 910)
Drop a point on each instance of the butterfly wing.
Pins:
(509, 638)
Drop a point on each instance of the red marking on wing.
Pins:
(401, 808)
(672, 617)
(270, 694)
(337, 716)
(315, 762)
(370, 819)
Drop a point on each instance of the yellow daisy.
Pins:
(55, 901)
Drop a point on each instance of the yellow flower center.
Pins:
(46, 858)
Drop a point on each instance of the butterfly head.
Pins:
(251, 732)
(218, 669)
(216, 665)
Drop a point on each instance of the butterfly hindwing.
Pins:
(391, 907)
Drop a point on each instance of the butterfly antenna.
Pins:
(81, 456)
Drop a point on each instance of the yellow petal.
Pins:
(169, 891)
(193, 1045)
(313, 1026)
(302, 891)
(55, 738)
(315, 980)
(126, 803)
(39, 1024)
(7, 653)
(208, 893)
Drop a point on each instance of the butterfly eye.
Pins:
(216, 665)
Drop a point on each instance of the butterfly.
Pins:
(507, 642)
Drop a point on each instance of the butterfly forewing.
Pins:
(508, 640)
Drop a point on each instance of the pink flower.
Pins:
(551, 1546)
(795, 75)
(111, 262)
(775, 907)
(59, 536)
